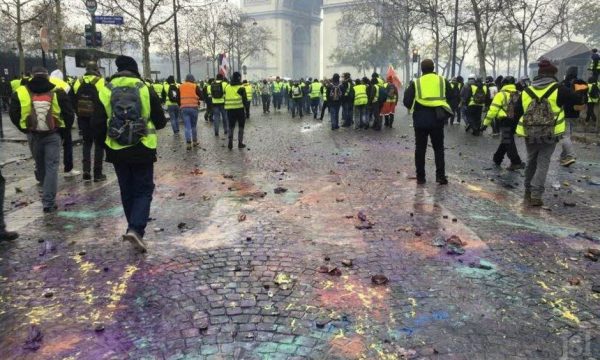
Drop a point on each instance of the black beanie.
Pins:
(126, 63)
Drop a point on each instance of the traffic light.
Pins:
(89, 39)
(415, 55)
(98, 40)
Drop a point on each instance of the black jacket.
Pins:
(40, 85)
(423, 116)
(138, 153)
(578, 99)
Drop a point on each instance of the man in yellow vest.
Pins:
(502, 111)
(361, 99)
(170, 97)
(541, 129)
(235, 103)
(593, 99)
(315, 97)
(40, 109)
(429, 98)
(85, 100)
(131, 142)
(277, 93)
(216, 91)
(296, 98)
(249, 95)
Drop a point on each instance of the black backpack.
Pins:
(335, 94)
(87, 96)
(172, 93)
(126, 126)
(479, 96)
(216, 90)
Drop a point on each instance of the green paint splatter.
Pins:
(475, 272)
(69, 227)
(91, 215)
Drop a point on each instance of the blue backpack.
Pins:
(127, 126)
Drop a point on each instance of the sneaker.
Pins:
(442, 180)
(567, 162)
(189, 146)
(514, 167)
(72, 173)
(135, 240)
(196, 144)
(230, 145)
(241, 146)
(87, 177)
(100, 178)
(50, 209)
(535, 202)
(8, 235)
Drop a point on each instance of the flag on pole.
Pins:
(223, 64)
(391, 73)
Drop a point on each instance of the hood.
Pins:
(40, 85)
(542, 81)
(509, 88)
(57, 74)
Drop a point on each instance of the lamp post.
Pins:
(455, 38)
(177, 65)
(416, 58)
(377, 26)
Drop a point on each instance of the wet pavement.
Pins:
(348, 259)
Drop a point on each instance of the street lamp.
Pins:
(416, 58)
(377, 26)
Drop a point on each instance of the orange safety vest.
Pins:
(188, 96)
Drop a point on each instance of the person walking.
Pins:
(5, 235)
(277, 93)
(129, 118)
(323, 96)
(217, 93)
(315, 97)
(580, 88)
(170, 97)
(249, 95)
(389, 106)
(85, 101)
(235, 102)
(265, 94)
(208, 114)
(57, 78)
(40, 109)
(502, 112)
(429, 98)
(334, 94)
(296, 96)
(189, 100)
(475, 96)
(542, 129)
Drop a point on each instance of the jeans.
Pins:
(437, 142)
(2, 187)
(266, 102)
(538, 162)
(297, 106)
(173, 111)
(347, 109)
(136, 182)
(360, 114)
(314, 106)
(567, 145)
(190, 121)
(255, 100)
(219, 114)
(67, 143)
(276, 101)
(507, 146)
(46, 154)
(334, 113)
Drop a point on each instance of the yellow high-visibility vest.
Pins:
(233, 100)
(430, 91)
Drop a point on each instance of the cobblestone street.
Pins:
(237, 270)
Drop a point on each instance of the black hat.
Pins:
(127, 63)
(336, 76)
(236, 77)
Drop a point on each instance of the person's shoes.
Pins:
(567, 162)
(230, 144)
(189, 146)
(515, 167)
(100, 178)
(421, 181)
(241, 146)
(468, 128)
(87, 177)
(216, 134)
(50, 209)
(135, 240)
(535, 202)
(72, 173)
(8, 235)
(442, 180)
(495, 134)
(527, 195)
(195, 144)
(497, 165)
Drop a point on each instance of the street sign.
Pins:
(91, 5)
(108, 20)
(44, 41)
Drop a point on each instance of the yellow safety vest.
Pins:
(14, 84)
(277, 86)
(376, 95)
(89, 79)
(60, 84)
(158, 88)
(249, 92)
(360, 95)
(430, 91)
(559, 126)
(151, 139)
(166, 87)
(220, 100)
(473, 90)
(233, 100)
(315, 90)
(499, 105)
(25, 102)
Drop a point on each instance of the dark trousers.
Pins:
(297, 104)
(590, 115)
(347, 116)
(325, 106)
(136, 182)
(2, 187)
(266, 103)
(437, 142)
(67, 143)
(236, 116)
(247, 108)
(314, 107)
(389, 120)
(375, 110)
(91, 140)
(474, 118)
(507, 146)
(334, 113)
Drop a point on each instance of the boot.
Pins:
(391, 120)
(241, 138)
(230, 136)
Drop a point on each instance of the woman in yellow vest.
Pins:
(189, 100)
(235, 102)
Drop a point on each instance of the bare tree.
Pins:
(533, 20)
(164, 45)
(21, 13)
(483, 17)
(146, 17)
(213, 31)
(463, 47)
(435, 12)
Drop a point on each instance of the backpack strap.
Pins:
(531, 93)
(550, 91)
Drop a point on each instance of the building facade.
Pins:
(305, 37)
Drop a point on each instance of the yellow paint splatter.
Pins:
(543, 285)
(339, 335)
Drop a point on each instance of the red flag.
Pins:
(223, 64)
(391, 73)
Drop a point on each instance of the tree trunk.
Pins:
(146, 53)
(525, 60)
(481, 44)
(20, 40)
(60, 61)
